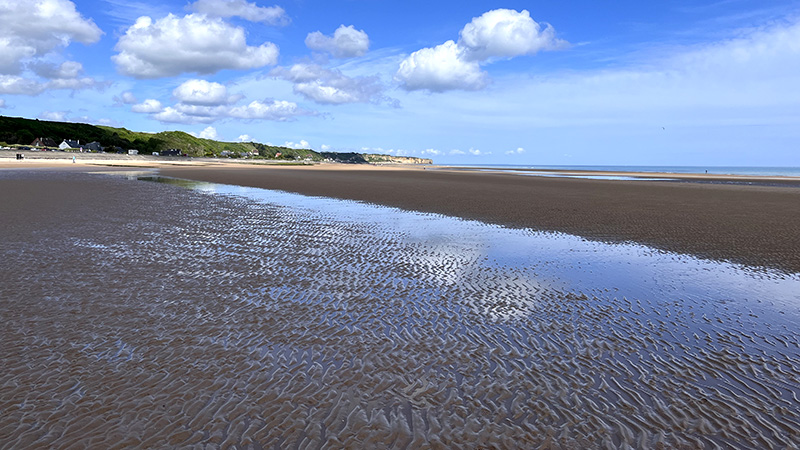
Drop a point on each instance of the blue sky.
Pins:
(467, 82)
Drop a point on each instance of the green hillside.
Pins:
(19, 131)
(22, 132)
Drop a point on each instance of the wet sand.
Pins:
(752, 224)
(145, 315)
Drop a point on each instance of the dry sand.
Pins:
(752, 224)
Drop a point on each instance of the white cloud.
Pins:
(201, 110)
(16, 85)
(2, 103)
(74, 83)
(55, 116)
(500, 33)
(31, 35)
(431, 152)
(172, 115)
(127, 98)
(68, 69)
(346, 42)
(280, 110)
(209, 133)
(199, 106)
(244, 138)
(476, 152)
(271, 15)
(518, 151)
(329, 86)
(456, 151)
(303, 144)
(202, 92)
(34, 29)
(324, 147)
(149, 106)
(506, 33)
(439, 69)
(194, 43)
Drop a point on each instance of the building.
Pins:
(44, 142)
(93, 147)
(69, 143)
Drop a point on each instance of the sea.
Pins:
(715, 170)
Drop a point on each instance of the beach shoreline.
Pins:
(751, 224)
(747, 219)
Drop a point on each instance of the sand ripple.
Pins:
(165, 318)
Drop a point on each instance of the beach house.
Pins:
(93, 147)
(69, 143)
(44, 142)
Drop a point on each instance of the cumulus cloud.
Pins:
(439, 69)
(172, 115)
(303, 144)
(149, 106)
(208, 133)
(330, 86)
(431, 152)
(506, 33)
(500, 33)
(194, 43)
(271, 15)
(244, 138)
(346, 42)
(518, 151)
(54, 116)
(31, 35)
(68, 69)
(126, 98)
(74, 83)
(456, 151)
(476, 152)
(277, 110)
(202, 92)
(34, 29)
(17, 85)
(324, 147)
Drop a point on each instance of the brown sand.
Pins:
(141, 315)
(752, 224)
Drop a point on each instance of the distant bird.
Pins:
(663, 128)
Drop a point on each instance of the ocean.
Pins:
(716, 170)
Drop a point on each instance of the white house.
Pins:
(69, 143)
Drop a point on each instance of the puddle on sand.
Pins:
(279, 320)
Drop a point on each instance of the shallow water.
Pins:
(267, 319)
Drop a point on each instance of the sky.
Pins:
(575, 82)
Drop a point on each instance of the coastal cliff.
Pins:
(388, 159)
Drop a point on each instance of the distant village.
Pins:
(74, 145)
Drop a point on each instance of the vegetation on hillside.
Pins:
(19, 131)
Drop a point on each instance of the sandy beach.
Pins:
(144, 314)
(749, 219)
(753, 224)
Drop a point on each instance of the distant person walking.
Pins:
(73, 160)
